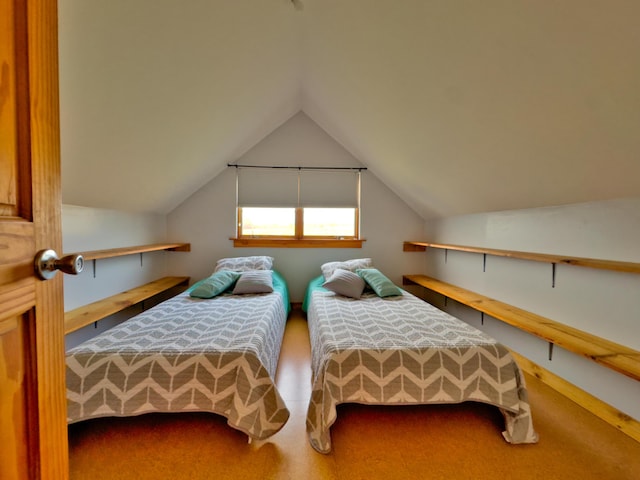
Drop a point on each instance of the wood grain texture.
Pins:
(46, 321)
(30, 198)
(16, 242)
(606, 412)
(295, 243)
(617, 357)
(87, 314)
(8, 114)
(13, 400)
(122, 251)
(629, 267)
(17, 297)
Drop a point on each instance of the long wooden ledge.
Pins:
(119, 252)
(617, 266)
(87, 314)
(622, 359)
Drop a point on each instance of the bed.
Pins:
(400, 349)
(188, 354)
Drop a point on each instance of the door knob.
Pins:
(47, 264)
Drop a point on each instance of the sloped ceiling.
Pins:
(458, 106)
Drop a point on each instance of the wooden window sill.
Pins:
(296, 243)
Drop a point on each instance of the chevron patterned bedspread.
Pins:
(186, 354)
(402, 350)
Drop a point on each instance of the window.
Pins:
(329, 222)
(292, 207)
(335, 223)
(266, 222)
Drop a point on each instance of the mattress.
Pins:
(187, 354)
(402, 350)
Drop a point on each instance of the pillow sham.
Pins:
(242, 264)
(346, 283)
(214, 285)
(254, 281)
(351, 265)
(379, 283)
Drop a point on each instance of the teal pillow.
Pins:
(378, 282)
(214, 285)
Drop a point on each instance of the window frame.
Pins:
(298, 240)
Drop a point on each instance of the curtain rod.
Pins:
(285, 167)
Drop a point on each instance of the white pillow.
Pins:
(254, 281)
(242, 264)
(351, 265)
(345, 283)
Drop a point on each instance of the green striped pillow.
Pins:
(379, 283)
(214, 285)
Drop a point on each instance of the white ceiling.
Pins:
(459, 106)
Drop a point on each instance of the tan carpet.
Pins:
(431, 442)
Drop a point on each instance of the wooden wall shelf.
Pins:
(629, 267)
(88, 314)
(122, 251)
(617, 357)
(609, 354)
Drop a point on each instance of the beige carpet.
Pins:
(430, 442)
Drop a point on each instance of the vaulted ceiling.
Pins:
(458, 106)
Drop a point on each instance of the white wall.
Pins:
(601, 302)
(207, 218)
(86, 229)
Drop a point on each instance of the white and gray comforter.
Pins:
(402, 350)
(186, 354)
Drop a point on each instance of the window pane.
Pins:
(329, 222)
(259, 222)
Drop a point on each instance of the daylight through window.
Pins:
(294, 204)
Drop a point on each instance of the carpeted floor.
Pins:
(430, 442)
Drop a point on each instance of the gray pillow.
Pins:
(351, 265)
(242, 264)
(254, 281)
(344, 282)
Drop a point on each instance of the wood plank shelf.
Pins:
(119, 252)
(87, 314)
(629, 267)
(617, 357)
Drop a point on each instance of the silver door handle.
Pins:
(47, 264)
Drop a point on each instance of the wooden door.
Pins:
(33, 434)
